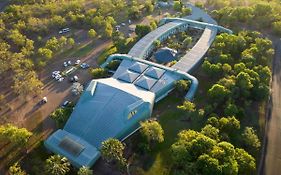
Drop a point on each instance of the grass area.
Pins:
(108, 51)
(172, 121)
(78, 50)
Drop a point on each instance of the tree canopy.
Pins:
(152, 131)
(57, 165)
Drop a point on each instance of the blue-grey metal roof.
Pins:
(138, 67)
(128, 76)
(99, 123)
(164, 55)
(154, 72)
(145, 82)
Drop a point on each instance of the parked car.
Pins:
(64, 31)
(58, 76)
(60, 79)
(74, 78)
(69, 63)
(44, 100)
(65, 104)
(84, 66)
(123, 24)
(77, 62)
(55, 74)
(65, 64)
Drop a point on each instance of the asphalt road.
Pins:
(272, 164)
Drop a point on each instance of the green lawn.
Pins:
(78, 50)
(108, 51)
(172, 121)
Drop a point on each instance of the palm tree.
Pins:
(57, 165)
(85, 171)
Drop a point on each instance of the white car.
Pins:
(60, 79)
(44, 100)
(64, 31)
(123, 24)
(69, 63)
(77, 62)
(130, 22)
(58, 76)
(75, 78)
(55, 73)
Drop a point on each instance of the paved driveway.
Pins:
(272, 164)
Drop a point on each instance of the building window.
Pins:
(131, 114)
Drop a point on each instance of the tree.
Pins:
(187, 106)
(57, 165)
(246, 162)
(250, 138)
(134, 12)
(213, 70)
(186, 11)
(112, 151)
(120, 42)
(208, 165)
(45, 53)
(189, 146)
(211, 132)
(225, 153)
(149, 7)
(187, 41)
(85, 171)
(71, 42)
(18, 38)
(152, 131)
(108, 30)
(52, 44)
(229, 124)
(15, 169)
(62, 41)
(243, 81)
(142, 30)
(5, 57)
(60, 115)
(98, 73)
(28, 48)
(196, 153)
(226, 68)
(277, 27)
(218, 93)
(18, 136)
(26, 83)
(92, 33)
(177, 6)
(182, 86)
(113, 65)
(157, 43)
(231, 109)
